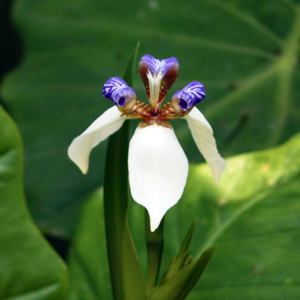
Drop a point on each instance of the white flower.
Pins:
(158, 167)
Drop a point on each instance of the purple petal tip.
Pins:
(190, 95)
(159, 65)
(117, 90)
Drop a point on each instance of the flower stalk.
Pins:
(126, 275)
(154, 243)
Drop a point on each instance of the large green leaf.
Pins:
(245, 52)
(89, 273)
(252, 216)
(29, 268)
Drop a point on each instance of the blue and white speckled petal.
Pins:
(190, 95)
(117, 90)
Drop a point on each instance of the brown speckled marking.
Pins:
(154, 122)
(168, 80)
(171, 112)
(139, 110)
(143, 68)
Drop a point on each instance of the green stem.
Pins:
(155, 242)
(126, 275)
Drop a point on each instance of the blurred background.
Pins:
(56, 56)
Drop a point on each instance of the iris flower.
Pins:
(158, 167)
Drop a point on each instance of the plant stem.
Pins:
(126, 275)
(155, 242)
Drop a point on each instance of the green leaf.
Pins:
(178, 286)
(30, 269)
(182, 257)
(125, 271)
(183, 273)
(87, 261)
(253, 217)
(244, 52)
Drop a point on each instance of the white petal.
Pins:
(158, 170)
(108, 123)
(205, 141)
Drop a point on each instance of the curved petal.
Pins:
(205, 141)
(158, 170)
(108, 123)
(117, 90)
(190, 95)
(158, 76)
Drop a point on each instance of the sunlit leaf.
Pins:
(252, 216)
